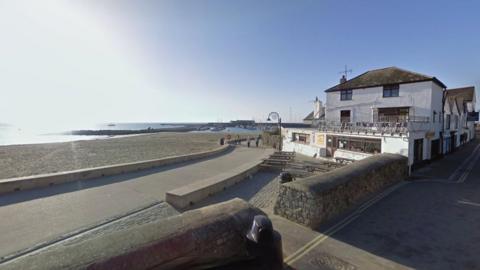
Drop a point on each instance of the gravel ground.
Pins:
(32, 159)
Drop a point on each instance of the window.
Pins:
(301, 138)
(345, 116)
(391, 90)
(447, 121)
(393, 114)
(434, 116)
(346, 95)
(363, 145)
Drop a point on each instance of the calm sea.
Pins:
(12, 135)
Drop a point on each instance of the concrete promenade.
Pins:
(41, 215)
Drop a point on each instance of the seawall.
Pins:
(45, 180)
(314, 200)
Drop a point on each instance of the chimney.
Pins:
(317, 108)
(343, 79)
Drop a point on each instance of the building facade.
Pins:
(388, 110)
(459, 128)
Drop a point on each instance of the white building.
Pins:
(458, 128)
(388, 110)
(317, 114)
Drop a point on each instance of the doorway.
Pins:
(417, 150)
(453, 140)
(435, 149)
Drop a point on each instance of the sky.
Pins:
(73, 63)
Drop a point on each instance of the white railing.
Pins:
(379, 127)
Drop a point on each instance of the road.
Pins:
(431, 222)
(35, 216)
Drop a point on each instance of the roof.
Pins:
(384, 76)
(309, 116)
(295, 125)
(465, 93)
(459, 106)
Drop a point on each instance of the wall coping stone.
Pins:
(332, 179)
(317, 199)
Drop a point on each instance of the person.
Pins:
(248, 142)
(257, 141)
(222, 141)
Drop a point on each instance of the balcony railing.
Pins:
(399, 126)
(402, 118)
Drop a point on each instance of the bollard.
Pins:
(285, 177)
(265, 244)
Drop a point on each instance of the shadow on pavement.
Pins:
(248, 189)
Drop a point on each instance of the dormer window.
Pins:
(391, 90)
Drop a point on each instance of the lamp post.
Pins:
(276, 116)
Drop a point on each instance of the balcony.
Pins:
(393, 125)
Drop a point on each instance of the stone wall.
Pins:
(44, 180)
(316, 199)
(201, 238)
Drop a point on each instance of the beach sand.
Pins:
(32, 159)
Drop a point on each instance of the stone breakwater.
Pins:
(113, 132)
(314, 200)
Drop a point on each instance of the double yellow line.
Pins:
(464, 163)
(335, 228)
(469, 169)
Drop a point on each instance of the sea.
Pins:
(16, 135)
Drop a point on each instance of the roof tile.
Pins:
(384, 76)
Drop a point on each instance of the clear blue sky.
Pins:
(170, 61)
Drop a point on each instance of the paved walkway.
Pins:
(429, 223)
(34, 216)
(261, 191)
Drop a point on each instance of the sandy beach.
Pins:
(31, 159)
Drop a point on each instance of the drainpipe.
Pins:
(280, 129)
(444, 97)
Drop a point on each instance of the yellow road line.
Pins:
(335, 228)
(469, 169)
(464, 163)
(350, 218)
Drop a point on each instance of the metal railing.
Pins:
(402, 118)
(378, 127)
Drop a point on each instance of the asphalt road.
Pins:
(430, 223)
(35, 216)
